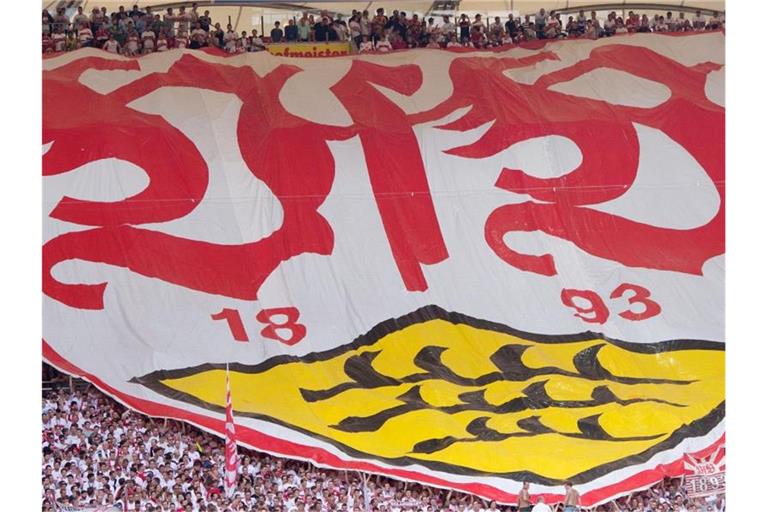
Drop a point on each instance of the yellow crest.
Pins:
(467, 396)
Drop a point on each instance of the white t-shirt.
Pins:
(85, 35)
(541, 507)
(148, 37)
(169, 19)
(59, 39)
(132, 42)
(256, 44)
(80, 19)
(230, 39)
(111, 46)
(183, 20)
(199, 35)
(342, 32)
(355, 29)
(384, 46)
(365, 26)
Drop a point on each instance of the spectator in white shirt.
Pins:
(85, 36)
(59, 42)
(384, 46)
(230, 40)
(183, 19)
(540, 506)
(366, 46)
(148, 41)
(447, 28)
(169, 20)
(162, 43)
(699, 21)
(199, 37)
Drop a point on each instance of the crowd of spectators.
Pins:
(137, 32)
(98, 453)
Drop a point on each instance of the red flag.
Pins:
(230, 469)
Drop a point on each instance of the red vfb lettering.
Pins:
(84, 126)
(289, 154)
(267, 135)
(395, 167)
(610, 154)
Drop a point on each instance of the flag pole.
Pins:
(230, 446)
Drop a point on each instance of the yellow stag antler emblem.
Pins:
(457, 394)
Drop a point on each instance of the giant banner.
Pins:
(466, 269)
